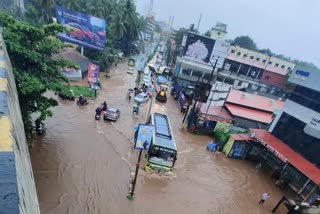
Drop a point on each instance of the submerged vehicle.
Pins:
(162, 154)
(112, 114)
(162, 93)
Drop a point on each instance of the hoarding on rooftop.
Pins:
(204, 50)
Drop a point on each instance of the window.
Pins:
(266, 77)
(282, 66)
(196, 73)
(245, 55)
(239, 53)
(218, 33)
(251, 57)
(270, 63)
(233, 51)
(207, 76)
(277, 64)
(289, 68)
(186, 71)
(264, 61)
(258, 59)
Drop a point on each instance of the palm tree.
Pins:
(117, 25)
(72, 4)
(40, 12)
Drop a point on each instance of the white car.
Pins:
(141, 98)
(130, 70)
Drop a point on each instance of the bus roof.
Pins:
(163, 134)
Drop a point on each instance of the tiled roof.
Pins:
(254, 101)
(248, 113)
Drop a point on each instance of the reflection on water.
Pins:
(83, 166)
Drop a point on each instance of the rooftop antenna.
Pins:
(199, 22)
(150, 8)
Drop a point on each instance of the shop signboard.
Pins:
(81, 29)
(93, 73)
(270, 148)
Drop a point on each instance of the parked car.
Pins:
(112, 114)
(81, 33)
(130, 70)
(141, 98)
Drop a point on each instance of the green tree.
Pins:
(245, 42)
(207, 33)
(117, 25)
(30, 50)
(40, 12)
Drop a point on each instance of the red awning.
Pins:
(285, 153)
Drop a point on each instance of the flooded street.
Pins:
(83, 166)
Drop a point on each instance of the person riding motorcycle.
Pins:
(98, 111)
(82, 100)
(104, 106)
(38, 125)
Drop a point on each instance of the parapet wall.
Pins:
(17, 188)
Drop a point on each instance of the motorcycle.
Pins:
(135, 109)
(97, 117)
(84, 102)
(41, 130)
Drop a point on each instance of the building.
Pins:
(219, 32)
(150, 27)
(242, 69)
(292, 144)
(251, 110)
(298, 123)
(259, 72)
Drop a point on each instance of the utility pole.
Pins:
(199, 22)
(131, 194)
(215, 79)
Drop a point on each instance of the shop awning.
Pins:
(241, 137)
(286, 154)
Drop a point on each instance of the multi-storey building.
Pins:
(298, 125)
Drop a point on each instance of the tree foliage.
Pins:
(245, 42)
(207, 33)
(30, 50)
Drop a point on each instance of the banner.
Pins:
(219, 52)
(144, 137)
(81, 29)
(93, 73)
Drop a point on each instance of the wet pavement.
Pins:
(83, 166)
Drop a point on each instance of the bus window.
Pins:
(162, 156)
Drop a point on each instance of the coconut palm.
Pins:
(40, 12)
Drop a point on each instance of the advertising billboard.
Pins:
(81, 29)
(198, 48)
(219, 52)
(93, 73)
(144, 137)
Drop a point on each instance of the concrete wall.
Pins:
(17, 187)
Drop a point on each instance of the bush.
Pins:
(84, 90)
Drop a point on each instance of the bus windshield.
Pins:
(162, 156)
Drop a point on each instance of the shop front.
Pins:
(289, 167)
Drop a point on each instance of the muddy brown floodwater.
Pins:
(83, 166)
